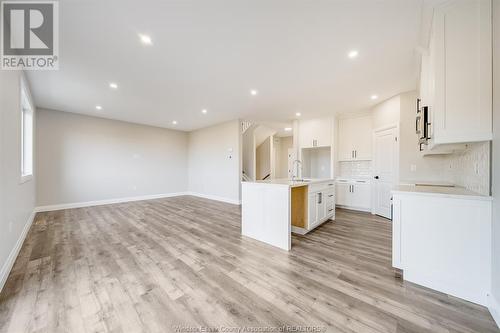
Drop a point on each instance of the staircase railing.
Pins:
(245, 125)
(245, 178)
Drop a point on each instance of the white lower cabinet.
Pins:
(330, 202)
(313, 209)
(354, 194)
(443, 242)
(321, 204)
(321, 208)
(343, 191)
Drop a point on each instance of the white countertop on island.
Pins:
(290, 183)
(456, 192)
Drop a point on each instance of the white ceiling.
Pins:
(210, 53)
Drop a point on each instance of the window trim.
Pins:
(25, 100)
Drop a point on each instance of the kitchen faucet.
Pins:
(299, 163)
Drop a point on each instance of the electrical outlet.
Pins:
(413, 167)
(11, 225)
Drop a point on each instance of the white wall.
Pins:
(214, 170)
(263, 156)
(495, 288)
(17, 201)
(85, 159)
(248, 152)
(282, 145)
(316, 162)
(386, 113)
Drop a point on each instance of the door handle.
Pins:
(320, 197)
(376, 177)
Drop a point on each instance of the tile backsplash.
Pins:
(353, 169)
(471, 168)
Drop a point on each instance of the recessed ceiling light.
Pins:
(352, 54)
(98, 107)
(145, 39)
(288, 129)
(374, 97)
(174, 122)
(298, 114)
(254, 92)
(204, 111)
(113, 85)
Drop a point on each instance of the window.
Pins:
(26, 136)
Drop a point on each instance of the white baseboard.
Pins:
(50, 208)
(107, 201)
(298, 230)
(215, 197)
(473, 293)
(11, 259)
(366, 210)
(494, 307)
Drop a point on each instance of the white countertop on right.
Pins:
(447, 191)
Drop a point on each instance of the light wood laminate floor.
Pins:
(151, 266)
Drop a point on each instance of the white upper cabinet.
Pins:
(355, 139)
(427, 79)
(457, 79)
(315, 132)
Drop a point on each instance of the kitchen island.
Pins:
(273, 209)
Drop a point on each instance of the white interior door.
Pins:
(385, 170)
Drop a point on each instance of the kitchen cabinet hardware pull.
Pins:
(331, 195)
